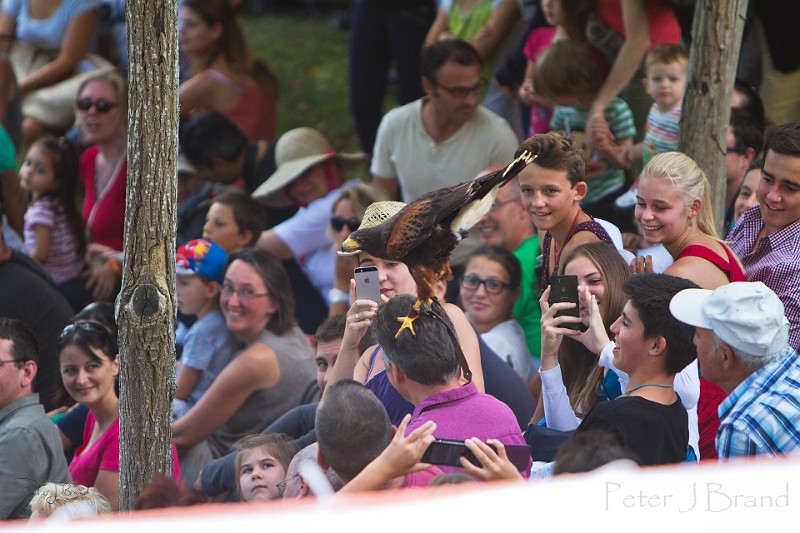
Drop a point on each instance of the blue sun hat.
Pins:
(201, 257)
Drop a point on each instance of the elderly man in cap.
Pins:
(742, 345)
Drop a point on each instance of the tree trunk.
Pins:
(716, 40)
(146, 304)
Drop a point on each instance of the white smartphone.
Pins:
(368, 287)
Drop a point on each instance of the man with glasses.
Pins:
(446, 137)
(30, 448)
(508, 225)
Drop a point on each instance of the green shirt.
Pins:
(526, 310)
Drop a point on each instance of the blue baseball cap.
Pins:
(201, 257)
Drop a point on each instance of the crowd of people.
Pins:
(679, 343)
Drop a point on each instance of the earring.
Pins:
(691, 222)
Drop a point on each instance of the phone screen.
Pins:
(368, 286)
(565, 289)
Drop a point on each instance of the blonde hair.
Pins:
(689, 182)
(52, 496)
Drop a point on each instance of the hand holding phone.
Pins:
(368, 286)
(449, 452)
(565, 289)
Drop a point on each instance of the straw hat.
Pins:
(297, 151)
(378, 212)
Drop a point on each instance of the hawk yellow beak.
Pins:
(350, 247)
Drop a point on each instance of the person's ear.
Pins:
(305, 490)
(580, 190)
(658, 345)
(747, 158)
(28, 373)
(115, 365)
(427, 85)
(245, 238)
(726, 356)
(694, 207)
(212, 289)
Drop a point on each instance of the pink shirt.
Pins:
(661, 21)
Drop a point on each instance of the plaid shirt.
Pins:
(762, 415)
(775, 262)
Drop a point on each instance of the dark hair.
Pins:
(650, 294)
(163, 492)
(231, 44)
(590, 449)
(247, 212)
(576, 15)
(504, 258)
(745, 131)
(559, 151)
(783, 139)
(100, 312)
(331, 329)
(437, 54)
(751, 102)
(207, 135)
(23, 342)
(755, 164)
(352, 427)
(88, 335)
(581, 374)
(567, 68)
(429, 357)
(64, 160)
(274, 277)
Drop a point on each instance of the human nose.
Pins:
(83, 376)
(615, 327)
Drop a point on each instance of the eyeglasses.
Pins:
(498, 205)
(463, 92)
(87, 327)
(280, 488)
(735, 149)
(101, 105)
(4, 361)
(245, 293)
(337, 223)
(493, 286)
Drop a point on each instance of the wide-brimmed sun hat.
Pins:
(378, 212)
(297, 151)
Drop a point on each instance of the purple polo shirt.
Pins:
(463, 413)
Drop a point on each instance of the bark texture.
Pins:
(716, 40)
(146, 305)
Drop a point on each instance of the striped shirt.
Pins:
(762, 415)
(620, 121)
(775, 262)
(63, 261)
(662, 130)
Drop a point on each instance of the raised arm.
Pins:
(500, 24)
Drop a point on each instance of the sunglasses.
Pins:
(92, 328)
(101, 105)
(337, 223)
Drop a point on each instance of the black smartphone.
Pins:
(368, 287)
(565, 289)
(448, 452)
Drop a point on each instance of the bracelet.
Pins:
(116, 266)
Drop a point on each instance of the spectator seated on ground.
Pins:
(742, 344)
(219, 475)
(353, 429)
(30, 450)
(425, 366)
(651, 347)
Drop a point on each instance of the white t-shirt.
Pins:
(404, 150)
(507, 340)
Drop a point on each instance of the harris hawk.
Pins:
(424, 233)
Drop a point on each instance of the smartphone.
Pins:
(368, 287)
(565, 289)
(448, 452)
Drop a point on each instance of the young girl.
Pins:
(261, 465)
(568, 18)
(53, 228)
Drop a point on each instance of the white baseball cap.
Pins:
(746, 315)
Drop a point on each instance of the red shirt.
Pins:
(104, 217)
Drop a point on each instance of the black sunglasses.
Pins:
(87, 327)
(101, 105)
(337, 223)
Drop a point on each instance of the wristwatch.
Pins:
(337, 296)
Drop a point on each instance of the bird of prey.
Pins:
(423, 233)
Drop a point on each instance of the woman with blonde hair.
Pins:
(226, 77)
(53, 496)
(674, 209)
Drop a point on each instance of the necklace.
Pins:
(662, 385)
(556, 251)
